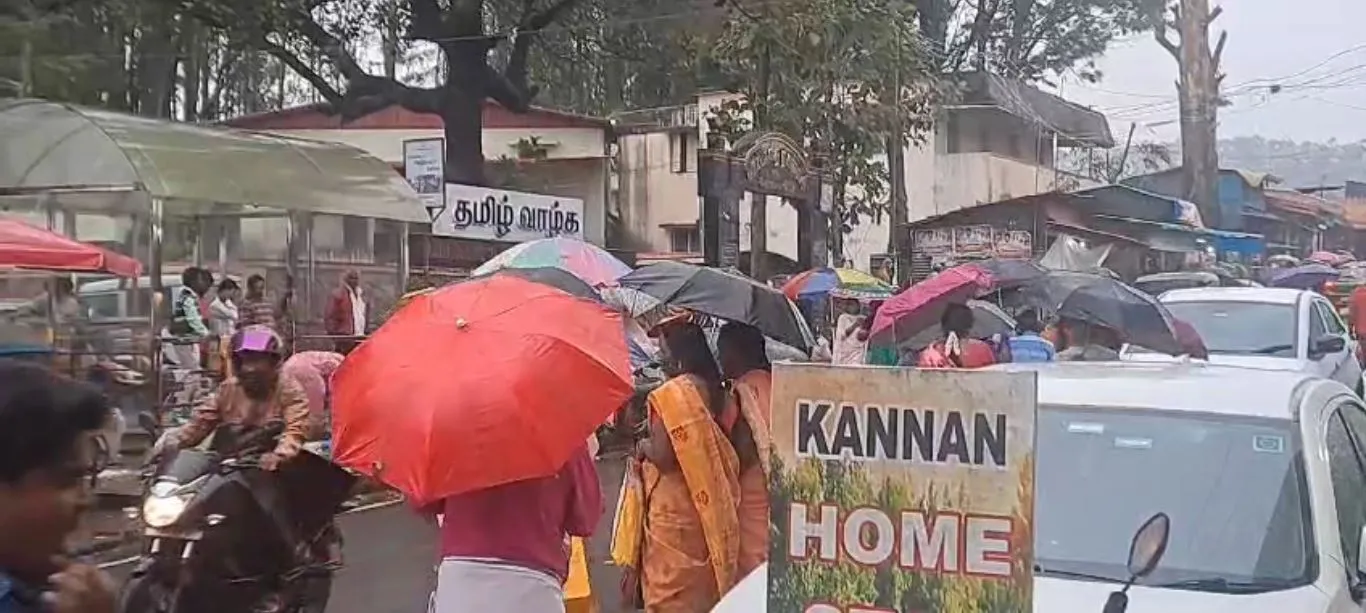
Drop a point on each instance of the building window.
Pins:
(684, 240)
(680, 150)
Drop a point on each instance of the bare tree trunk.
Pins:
(1199, 101)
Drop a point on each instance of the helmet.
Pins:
(257, 339)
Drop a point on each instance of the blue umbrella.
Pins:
(1308, 276)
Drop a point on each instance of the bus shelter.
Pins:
(60, 162)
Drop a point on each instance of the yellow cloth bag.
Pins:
(628, 526)
(578, 590)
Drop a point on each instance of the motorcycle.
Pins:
(222, 534)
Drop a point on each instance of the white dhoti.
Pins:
(475, 586)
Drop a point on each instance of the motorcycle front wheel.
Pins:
(143, 594)
(314, 594)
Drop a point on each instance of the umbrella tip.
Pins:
(461, 323)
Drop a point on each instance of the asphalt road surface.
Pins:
(390, 555)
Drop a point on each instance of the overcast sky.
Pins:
(1316, 49)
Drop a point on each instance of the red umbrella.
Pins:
(922, 304)
(26, 246)
(477, 384)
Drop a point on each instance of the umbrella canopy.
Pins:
(724, 295)
(987, 320)
(838, 282)
(921, 305)
(30, 247)
(489, 381)
(586, 261)
(1008, 274)
(1325, 257)
(1135, 315)
(1307, 276)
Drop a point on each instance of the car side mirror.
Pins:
(1329, 343)
(1145, 551)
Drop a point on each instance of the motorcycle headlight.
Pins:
(160, 512)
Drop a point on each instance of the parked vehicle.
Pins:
(1273, 328)
(1259, 472)
(216, 536)
(1340, 292)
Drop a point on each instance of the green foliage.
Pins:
(1030, 40)
(792, 586)
(842, 75)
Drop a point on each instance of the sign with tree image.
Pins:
(899, 490)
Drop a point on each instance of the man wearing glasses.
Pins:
(46, 425)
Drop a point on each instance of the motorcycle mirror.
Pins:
(1149, 544)
(1145, 551)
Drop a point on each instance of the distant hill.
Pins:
(1298, 164)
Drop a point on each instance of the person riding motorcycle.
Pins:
(256, 396)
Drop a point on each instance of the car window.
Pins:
(1349, 482)
(1317, 327)
(101, 306)
(1331, 320)
(1247, 328)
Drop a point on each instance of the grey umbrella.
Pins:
(987, 320)
(724, 295)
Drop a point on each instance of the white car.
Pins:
(1263, 474)
(1265, 327)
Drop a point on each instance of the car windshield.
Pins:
(1234, 488)
(1247, 328)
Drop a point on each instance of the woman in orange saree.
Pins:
(690, 481)
(744, 361)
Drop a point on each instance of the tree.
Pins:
(829, 87)
(1112, 165)
(484, 58)
(1028, 39)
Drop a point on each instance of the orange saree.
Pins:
(688, 558)
(753, 391)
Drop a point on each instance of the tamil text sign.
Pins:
(483, 213)
(901, 490)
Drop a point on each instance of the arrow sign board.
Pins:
(424, 165)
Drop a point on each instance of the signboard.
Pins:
(900, 490)
(935, 241)
(774, 164)
(972, 240)
(483, 213)
(1014, 244)
(424, 165)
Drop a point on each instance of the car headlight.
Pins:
(160, 512)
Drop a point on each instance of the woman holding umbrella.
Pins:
(688, 556)
(958, 349)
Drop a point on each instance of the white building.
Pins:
(997, 143)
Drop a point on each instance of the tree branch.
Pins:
(1218, 55)
(365, 93)
(512, 88)
(325, 89)
(1214, 14)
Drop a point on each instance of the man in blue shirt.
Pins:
(1028, 344)
(46, 425)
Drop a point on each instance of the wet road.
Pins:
(390, 554)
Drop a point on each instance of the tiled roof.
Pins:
(1291, 201)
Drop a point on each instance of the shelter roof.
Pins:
(118, 163)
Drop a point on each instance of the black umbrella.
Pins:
(1136, 316)
(724, 295)
(1007, 274)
